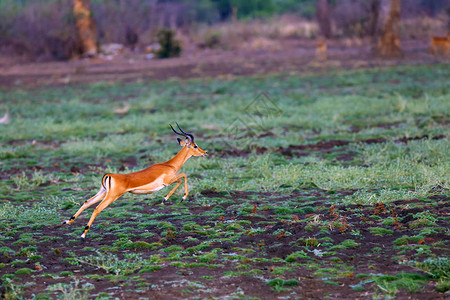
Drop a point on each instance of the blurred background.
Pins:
(46, 29)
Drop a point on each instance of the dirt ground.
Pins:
(176, 282)
(295, 56)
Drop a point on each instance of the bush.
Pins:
(170, 47)
(212, 39)
(24, 271)
(40, 30)
(437, 267)
(298, 254)
(279, 285)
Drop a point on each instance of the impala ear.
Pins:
(181, 142)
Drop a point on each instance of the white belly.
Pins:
(149, 188)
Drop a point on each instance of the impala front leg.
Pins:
(179, 181)
(186, 191)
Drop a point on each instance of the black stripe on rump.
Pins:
(103, 180)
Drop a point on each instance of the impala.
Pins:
(147, 181)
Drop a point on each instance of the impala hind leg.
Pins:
(99, 196)
(110, 198)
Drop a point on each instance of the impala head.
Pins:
(188, 142)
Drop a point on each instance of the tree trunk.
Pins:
(85, 26)
(388, 44)
(374, 10)
(323, 18)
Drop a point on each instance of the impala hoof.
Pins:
(65, 222)
(183, 198)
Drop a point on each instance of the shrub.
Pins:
(212, 39)
(24, 271)
(379, 231)
(443, 285)
(293, 256)
(127, 244)
(278, 284)
(436, 267)
(170, 47)
(40, 30)
(207, 257)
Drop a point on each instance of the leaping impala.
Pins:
(147, 181)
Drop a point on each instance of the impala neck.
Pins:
(178, 160)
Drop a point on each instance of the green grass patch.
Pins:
(380, 231)
(392, 284)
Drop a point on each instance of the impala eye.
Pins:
(195, 146)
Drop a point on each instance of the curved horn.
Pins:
(176, 131)
(190, 136)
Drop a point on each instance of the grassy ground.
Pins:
(333, 185)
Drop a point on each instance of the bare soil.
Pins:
(273, 243)
(295, 56)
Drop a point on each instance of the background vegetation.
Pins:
(45, 29)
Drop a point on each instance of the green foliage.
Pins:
(27, 251)
(207, 257)
(443, 285)
(112, 264)
(376, 250)
(391, 284)
(127, 244)
(423, 219)
(37, 178)
(11, 289)
(38, 213)
(23, 271)
(404, 240)
(150, 269)
(72, 290)
(347, 244)
(253, 8)
(4, 250)
(173, 248)
(298, 254)
(311, 242)
(170, 47)
(264, 8)
(280, 285)
(380, 231)
(437, 267)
